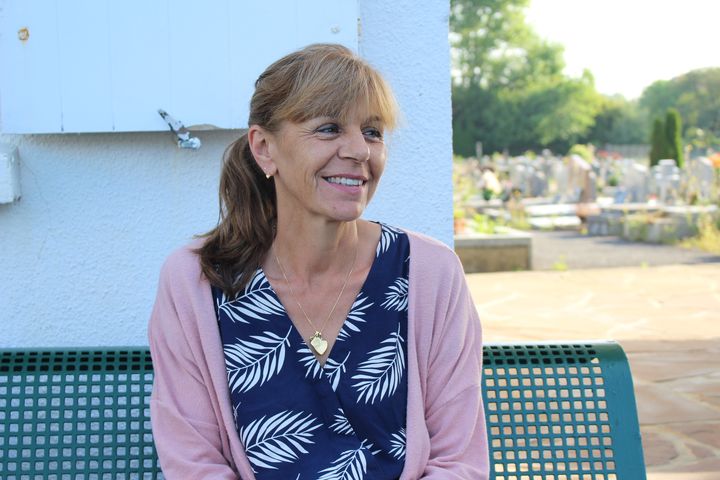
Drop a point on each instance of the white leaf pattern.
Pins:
(256, 301)
(281, 442)
(357, 312)
(278, 439)
(396, 297)
(381, 373)
(235, 412)
(313, 369)
(397, 442)
(351, 465)
(341, 425)
(333, 370)
(387, 236)
(254, 361)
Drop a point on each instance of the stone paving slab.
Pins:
(656, 407)
(684, 476)
(667, 318)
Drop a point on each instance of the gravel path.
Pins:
(557, 249)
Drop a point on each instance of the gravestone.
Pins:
(538, 184)
(560, 173)
(666, 181)
(582, 182)
(520, 173)
(635, 182)
(700, 179)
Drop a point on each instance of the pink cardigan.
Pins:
(192, 419)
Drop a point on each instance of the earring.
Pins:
(268, 176)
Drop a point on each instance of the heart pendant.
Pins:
(318, 343)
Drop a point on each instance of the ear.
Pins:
(260, 141)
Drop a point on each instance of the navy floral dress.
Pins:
(300, 420)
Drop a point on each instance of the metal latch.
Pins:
(184, 140)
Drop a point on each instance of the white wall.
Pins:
(81, 251)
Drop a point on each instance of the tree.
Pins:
(567, 109)
(657, 142)
(619, 122)
(696, 96)
(478, 29)
(509, 90)
(658, 97)
(673, 139)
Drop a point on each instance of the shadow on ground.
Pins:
(573, 250)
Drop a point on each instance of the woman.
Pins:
(297, 341)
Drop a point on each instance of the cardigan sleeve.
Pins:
(454, 411)
(185, 429)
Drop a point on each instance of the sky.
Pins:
(629, 44)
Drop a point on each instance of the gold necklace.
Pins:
(316, 341)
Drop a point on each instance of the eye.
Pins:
(328, 129)
(373, 133)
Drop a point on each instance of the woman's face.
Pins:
(327, 167)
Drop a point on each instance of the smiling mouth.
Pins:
(350, 182)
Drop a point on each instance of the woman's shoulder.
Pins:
(420, 239)
(429, 249)
(429, 257)
(183, 262)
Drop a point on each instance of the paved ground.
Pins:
(582, 251)
(668, 320)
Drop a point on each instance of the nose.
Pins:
(355, 147)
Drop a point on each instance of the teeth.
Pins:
(345, 181)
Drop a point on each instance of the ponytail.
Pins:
(236, 248)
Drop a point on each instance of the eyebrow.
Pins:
(373, 119)
(343, 118)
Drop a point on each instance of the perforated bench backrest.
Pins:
(554, 412)
(561, 412)
(76, 414)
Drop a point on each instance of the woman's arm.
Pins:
(185, 427)
(454, 413)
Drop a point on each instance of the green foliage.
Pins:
(696, 96)
(657, 142)
(564, 109)
(619, 121)
(509, 90)
(510, 93)
(666, 140)
(583, 151)
(708, 237)
(479, 28)
(702, 139)
(481, 223)
(484, 224)
(673, 140)
(658, 97)
(560, 265)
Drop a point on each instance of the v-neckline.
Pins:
(296, 332)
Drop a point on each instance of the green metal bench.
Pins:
(554, 412)
(561, 412)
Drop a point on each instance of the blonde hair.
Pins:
(321, 80)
